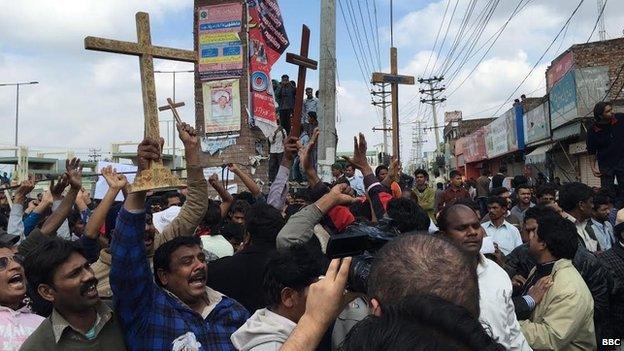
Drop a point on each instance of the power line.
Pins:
(357, 57)
(448, 26)
(368, 44)
(541, 57)
(600, 16)
(376, 33)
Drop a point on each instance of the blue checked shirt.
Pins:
(151, 317)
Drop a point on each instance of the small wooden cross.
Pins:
(146, 52)
(394, 79)
(172, 106)
(303, 62)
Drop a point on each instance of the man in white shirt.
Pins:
(577, 201)
(505, 235)
(357, 182)
(310, 104)
(460, 224)
(276, 150)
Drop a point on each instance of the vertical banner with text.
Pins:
(220, 47)
(267, 42)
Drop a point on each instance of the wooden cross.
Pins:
(157, 176)
(172, 106)
(146, 52)
(303, 62)
(394, 79)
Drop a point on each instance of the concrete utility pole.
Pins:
(327, 89)
(417, 142)
(433, 100)
(384, 95)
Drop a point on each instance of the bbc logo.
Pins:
(612, 342)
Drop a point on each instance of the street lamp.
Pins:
(17, 86)
(173, 72)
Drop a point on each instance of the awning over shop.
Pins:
(538, 156)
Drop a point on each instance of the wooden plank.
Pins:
(379, 77)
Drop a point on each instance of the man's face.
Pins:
(421, 179)
(336, 172)
(238, 217)
(528, 229)
(186, 277)
(349, 171)
(383, 173)
(78, 228)
(546, 199)
(608, 112)
(496, 211)
(602, 213)
(12, 279)
(284, 80)
(174, 201)
(535, 245)
(586, 208)
(74, 285)
(524, 196)
(309, 93)
(465, 229)
(456, 181)
(507, 196)
(222, 101)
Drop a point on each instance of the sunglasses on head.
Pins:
(4, 261)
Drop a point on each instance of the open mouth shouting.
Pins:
(17, 281)
(89, 289)
(198, 280)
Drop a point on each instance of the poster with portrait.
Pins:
(222, 106)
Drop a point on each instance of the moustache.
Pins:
(87, 285)
(201, 275)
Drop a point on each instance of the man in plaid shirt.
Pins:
(172, 309)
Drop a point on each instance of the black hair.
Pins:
(350, 165)
(263, 222)
(296, 267)
(231, 230)
(498, 191)
(573, 193)
(545, 190)
(407, 216)
(162, 256)
(538, 211)
(421, 171)
(519, 180)
(285, 76)
(601, 199)
(599, 109)
(522, 186)
(424, 264)
(153, 201)
(245, 196)
(171, 194)
(419, 323)
(41, 264)
(502, 169)
(439, 186)
(241, 206)
(454, 173)
(497, 200)
(212, 218)
(559, 235)
(379, 169)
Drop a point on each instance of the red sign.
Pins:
(474, 146)
(267, 42)
(558, 69)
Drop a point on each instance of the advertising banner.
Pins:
(558, 69)
(220, 47)
(537, 124)
(562, 99)
(267, 42)
(474, 146)
(502, 135)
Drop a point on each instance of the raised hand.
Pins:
(214, 179)
(327, 298)
(114, 180)
(233, 167)
(187, 134)
(47, 197)
(359, 160)
(74, 173)
(306, 155)
(148, 150)
(291, 148)
(57, 189)
(340, 194)
(24, 189)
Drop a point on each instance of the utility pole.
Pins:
(327, 89)
(417, 142)
(383, 94)
(602, 32)
(17, 89)
(432, 93)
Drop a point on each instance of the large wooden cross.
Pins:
(394, 79)
(157, 176)
(303, 62)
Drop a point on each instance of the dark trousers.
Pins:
(607, 181)
(274, 163)
(285, 119)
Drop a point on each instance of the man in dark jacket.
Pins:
(240, 276)
(285, 96)
(605, 139)
(519, 263)
(613, 260)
